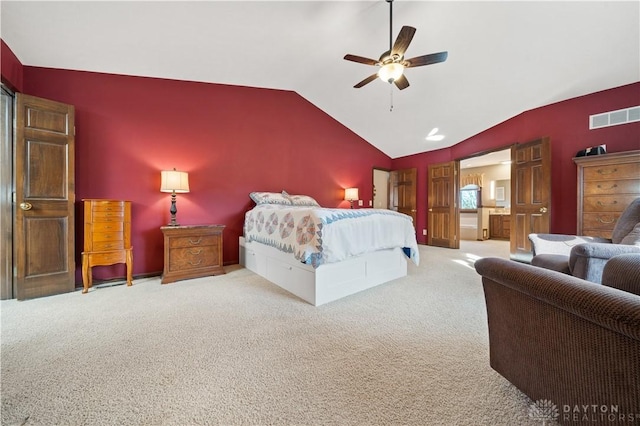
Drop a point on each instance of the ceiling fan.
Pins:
(392, 62)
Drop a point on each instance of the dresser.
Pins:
(192, 251)
(107, 237)
(606, 186)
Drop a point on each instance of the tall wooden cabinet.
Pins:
(107, 237)
(607, 184)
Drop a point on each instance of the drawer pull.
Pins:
(601, 204)
(606, 221)
(195, 251)
(198, 241)
(607, 171)
(195, 263)
(615, 185)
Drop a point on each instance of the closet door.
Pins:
(44, 203)
(443, 216)
(530, 195)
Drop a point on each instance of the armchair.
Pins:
(563, 339)
(585, 257)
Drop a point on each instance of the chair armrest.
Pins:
(602, 251)
(587, 261)
(607, 307)
(559, 243)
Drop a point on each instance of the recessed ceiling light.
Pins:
(433, 136)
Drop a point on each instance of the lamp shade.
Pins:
(351, 194)
(391, 72)
(173, 180)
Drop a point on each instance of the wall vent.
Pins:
(614, 118)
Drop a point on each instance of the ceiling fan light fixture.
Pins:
(391, 72)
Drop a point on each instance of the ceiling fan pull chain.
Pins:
(391, 97)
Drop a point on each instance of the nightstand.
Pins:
(192, 251)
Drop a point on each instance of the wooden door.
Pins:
(442, 217)
(44, 219)
(530, 195)
(403, 193)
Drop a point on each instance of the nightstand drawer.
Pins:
(193, 241)
(192, 258)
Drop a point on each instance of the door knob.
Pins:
(543, 209)
(26, 206)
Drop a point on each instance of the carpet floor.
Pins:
(237, 350)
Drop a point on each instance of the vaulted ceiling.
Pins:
(505, 57)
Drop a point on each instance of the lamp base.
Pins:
(173, 210)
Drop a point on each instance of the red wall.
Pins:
(232, 140)
(566, 123)
(11, 68)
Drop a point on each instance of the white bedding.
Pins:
(316, 235)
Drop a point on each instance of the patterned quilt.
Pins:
(321, 235)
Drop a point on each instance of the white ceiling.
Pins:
(505, 57)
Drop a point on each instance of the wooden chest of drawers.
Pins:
(107, 237)
(192, 251)
(606, 186)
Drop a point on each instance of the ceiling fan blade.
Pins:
(432, 58)
(401, 82)
(402, 42)
(366, 81)
(361, 60)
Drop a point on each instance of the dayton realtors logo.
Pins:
(546, 411)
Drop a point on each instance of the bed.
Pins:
(323, 254)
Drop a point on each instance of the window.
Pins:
(470, 198)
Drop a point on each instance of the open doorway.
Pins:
(380, 188)
(485, 197)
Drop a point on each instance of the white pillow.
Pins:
(269, 198)
(301, 200)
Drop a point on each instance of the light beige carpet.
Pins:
(237, 350)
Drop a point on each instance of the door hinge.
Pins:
(13, 197)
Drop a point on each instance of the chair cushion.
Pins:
(627, 221)
(623, 272)
(555, 262)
